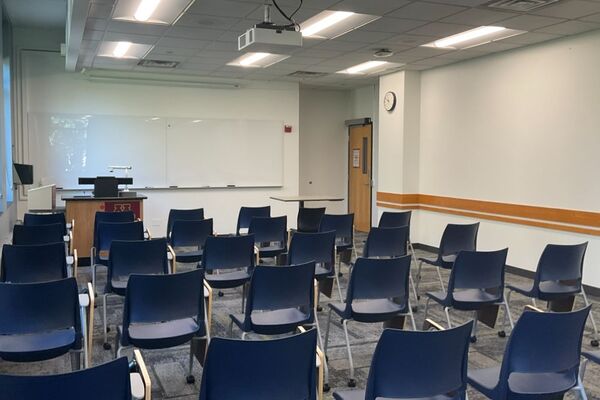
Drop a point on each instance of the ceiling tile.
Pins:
(592, 18)
(141, 39)
(477, 17)
(137, 29)
(530, 22)
(225, 8)
(569, 28)
(206, 21)
(361, 36)
(96, 24)
(531, 37)
(100, 10)
(393, 25)
(92, 35)
(339, 45)
(182, 43)
(173, 51)
(194, 33)
(426, 11)
(440, 29)
(569, 9)
(409, 40)
(375, 7)
(467, 3)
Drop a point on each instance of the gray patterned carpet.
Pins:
(168, 367)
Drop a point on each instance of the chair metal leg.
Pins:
(412, 282)
(244, 334)
(441, 279)
(592, 320)
(327, 333)
(337, 281)
(84, 333)
(412, 317)
(473, 330)
(580, 378)
(190, 377)
(419, 279)
(351, 382)
(243, 298)
(104, 324)
(230, 328)
(94, 276)
(75, 360)
(533, 302)
(447, 311)
(507, 314)
(426, 308)
(325, 366)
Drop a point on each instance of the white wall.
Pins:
(48, 88)
(323, 146)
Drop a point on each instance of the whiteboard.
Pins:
(183, 152)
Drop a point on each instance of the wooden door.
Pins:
(359, 175)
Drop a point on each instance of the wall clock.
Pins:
(389, 101)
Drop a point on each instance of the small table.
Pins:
(302, 198)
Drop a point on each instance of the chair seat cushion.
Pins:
(228, 280)
(272, 250)
(273, 322)
(525, 289)
(164, 334)
(548, 290)
(444, 262)
(188, 256)
(360, 395)
(484, 379)
(321, 272)
(38, 346)
(118, 285)
(376, 310)
(465, 299)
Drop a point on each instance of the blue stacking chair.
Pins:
(188, 238)
(46, 219)
(541, 359)
(309, 219)
(38, 234)
(111, 216)
(228, 262)
(559, 275)
(163, 311)
(417, 365)
(261, 370)
(247, 213)
(391, 219)
(593, 356)
(476, 281)
(280, 299)
(129, 257)
(377, 292)
(454, 239)
(270, 235)
(106, 233)
(112, 380)
(318, 247)
(195, 214)
(343, 225)
(41, 321)
(33, 263)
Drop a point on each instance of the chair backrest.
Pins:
(33, 263)
(544, 342)
(191, 232)
(247, 213)
(561, 263)
(386, 242)
(39, 307)
(391, 219)
(277, 287)
(383, 278)
(269, 229)
(409, 364)
(457, 237)
(342, 224)
(309, 219)
(261, 370)
(318, 247)
(195, 214)
(102, 382)
(228, 252)
(160, 298)
(46, 219)
(111, 231)
(479, 270)
(37, 234)
(110, 216)
(129, 257)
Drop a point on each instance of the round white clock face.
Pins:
(389, 101)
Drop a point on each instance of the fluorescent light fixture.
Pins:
(257, 60)
(330, 24)
(474, 37)
(164, 12)
(124, 50)
(370, 67)
(145, 10)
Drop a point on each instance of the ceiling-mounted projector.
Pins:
(270, 38)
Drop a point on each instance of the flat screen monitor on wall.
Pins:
(24, 174)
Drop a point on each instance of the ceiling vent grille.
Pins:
(158, 63)
(308, 74)
(520, 5)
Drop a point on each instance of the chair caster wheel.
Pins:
(414, 309)
(594, 343)
(326, 387)
(106, 346)
(351, 383)
(326, 358)
(473, 339)
(319, 308)
(418, 297)
(190, 379)
(107, 329)
(501, 334)
(340, 274)
(220, 294)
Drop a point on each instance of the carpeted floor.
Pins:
(168, 367)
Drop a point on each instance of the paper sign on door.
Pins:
(355, 158)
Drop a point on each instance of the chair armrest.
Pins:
(143, 371)
(147, 234)
(430, 324)
(138, 391)
(256, 255)
(320, 377)
(529, 307)
(171, 257)
(316, 295)
(75, 263)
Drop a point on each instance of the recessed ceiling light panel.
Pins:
(124, 49)
(474, 37)
(370, 68)
(330, 24)
(164, 12)
(257, 60)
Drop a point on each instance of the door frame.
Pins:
(350, 124)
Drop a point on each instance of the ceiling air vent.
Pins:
(307, 74)
(520, 5)
(158, 63)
